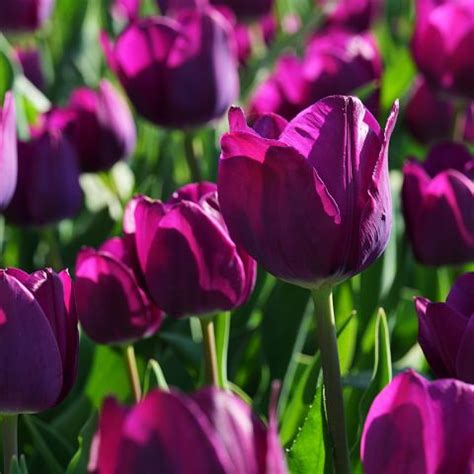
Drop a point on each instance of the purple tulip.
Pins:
(48, 176)
(38, 339)
(211, 431)
(30, 61)
(442, 44)
(178, 72)
(191, 265)
(112, 306)
(313, 204)
(356, 15)
(446, 331)
(247, 8)
(335, 62)
(440, 191)
(103, 127)
(8, 151)
(420, 427)
(24, 15)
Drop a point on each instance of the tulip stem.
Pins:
(10, 440)
(191, 158)
(222, 330)
(327, 336)
(211, 372)
(131, 363)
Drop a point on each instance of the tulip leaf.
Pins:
(79, 462)
(18, 466)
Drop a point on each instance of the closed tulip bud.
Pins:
(30, 61)
(103, 127)
(24, 15)
(8, 151)
(446, 331)
(112, 306)
(440, 190)
(187, 75)
(38, 340)
(211, 431)
(416, 426)
(442, 44)
(48, 176)
(312, 205)
(191, 265)
(356, 15)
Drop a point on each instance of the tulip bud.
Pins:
(191, 265)
(440, 190)
(112, 306)
(442, 44)
(30, 61)
(446, 331)
(48, 176)
(416, 426)
(212, 431)
(8, 151)
(312, 205)
(24, 15)
(356, 15)
(188, 74)
(38, 340)
(103, 127)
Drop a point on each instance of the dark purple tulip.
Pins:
(211, 431)
(112, 306)
(335, 62)
(180, 71)
(356, 15)
(191, 265)
(48, 176)
(8, 151)
(247, 8)
(442, 44)
(30, 61)
(24, 15)
(446, 331)
(420, 427)
(38, 339)
(438, 204)
(103, 127)
(312, 204)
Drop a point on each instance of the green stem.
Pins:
(326, 329)
(10, 440)
(222, 330)
(459, 120)
(191, 158)
(211, 372)
(131, 363)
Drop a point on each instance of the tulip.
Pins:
(190, 264)
(440, 190)
(415, 426)
(112, 306)
(48, 176)
(38, 339)
(211, 431)
(312, 205)
(178, 72)
(30, 61)
(247, 8)
(103, 127)
(125, 10)
(356, 15)
(446, 331)
(24, 15)
(8, 151)
(335, 62)
(442, 44)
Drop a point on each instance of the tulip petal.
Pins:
(464, 365)
(461, 296)
(193, 192)
(8, 151)
(447, 155)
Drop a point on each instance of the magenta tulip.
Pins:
(420, 427)
(247, 8)
(30, 61)
(313, 204)
(356, 15)
(8, 151)
(24, 15)
(38, 339)
(440, 190)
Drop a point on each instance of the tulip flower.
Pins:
(313, 204)
(356, 15)
(211, 431)
(415, 426)
(446, 331)
(440, 190)
(48, 176)
(30, 61)
(335, 62)
(24, 15)
(190, 264)
(103, 127)
(38, 339)
(442, 44)
(112, 306)
(247, 8)
(8, 151)
(125, 10)
(180, 71)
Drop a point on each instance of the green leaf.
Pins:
(78, 464)
(18, 466)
